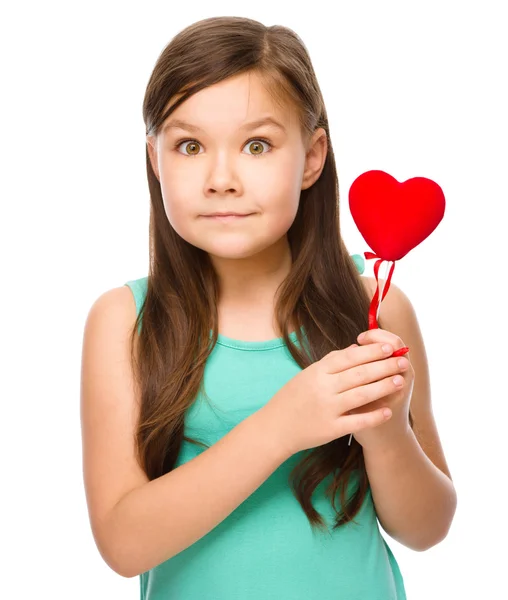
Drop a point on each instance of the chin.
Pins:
(234, 250)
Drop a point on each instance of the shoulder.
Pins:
(115, 307)
(395, 306)
(109, 325)
(113, 299)
(370, 284)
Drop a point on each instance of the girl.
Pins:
(220, 391)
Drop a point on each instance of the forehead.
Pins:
(238, 103)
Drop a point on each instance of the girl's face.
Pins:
(219, 163)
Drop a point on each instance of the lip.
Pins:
(218, 214)
(227, 218)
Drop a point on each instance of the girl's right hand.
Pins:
(312, 408)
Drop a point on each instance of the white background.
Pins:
(412, 88)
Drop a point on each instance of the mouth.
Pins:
(227, 218)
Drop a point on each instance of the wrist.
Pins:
(269, 429)
(389, 446)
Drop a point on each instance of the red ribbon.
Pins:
(375, 301)
(373, 305)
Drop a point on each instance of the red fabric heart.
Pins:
(395, 217)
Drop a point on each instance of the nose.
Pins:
(223, 177)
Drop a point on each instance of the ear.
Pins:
(151, 141)
(315, 158)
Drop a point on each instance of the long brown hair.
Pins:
(323, 292)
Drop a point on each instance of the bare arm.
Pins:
(411, 484)
(156, 521)
(415, 501)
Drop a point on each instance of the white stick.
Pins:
(383, 283)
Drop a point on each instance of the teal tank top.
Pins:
(265, 549)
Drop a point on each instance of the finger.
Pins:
(341, 360)
(379, 335)
(400, 350)
(348, 424)
(362, 375)
(361, 395)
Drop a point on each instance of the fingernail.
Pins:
(387, 348)
(361, 337)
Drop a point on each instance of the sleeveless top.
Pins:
(266, 549)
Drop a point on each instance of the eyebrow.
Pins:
(269, 121)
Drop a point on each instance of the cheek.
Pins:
(281, 214)
(178, 210)
(283, 175)
(175, 195)
(179, 217)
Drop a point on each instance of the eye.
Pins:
(193, 144)
(253, 143)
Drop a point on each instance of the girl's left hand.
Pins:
(384, 435)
